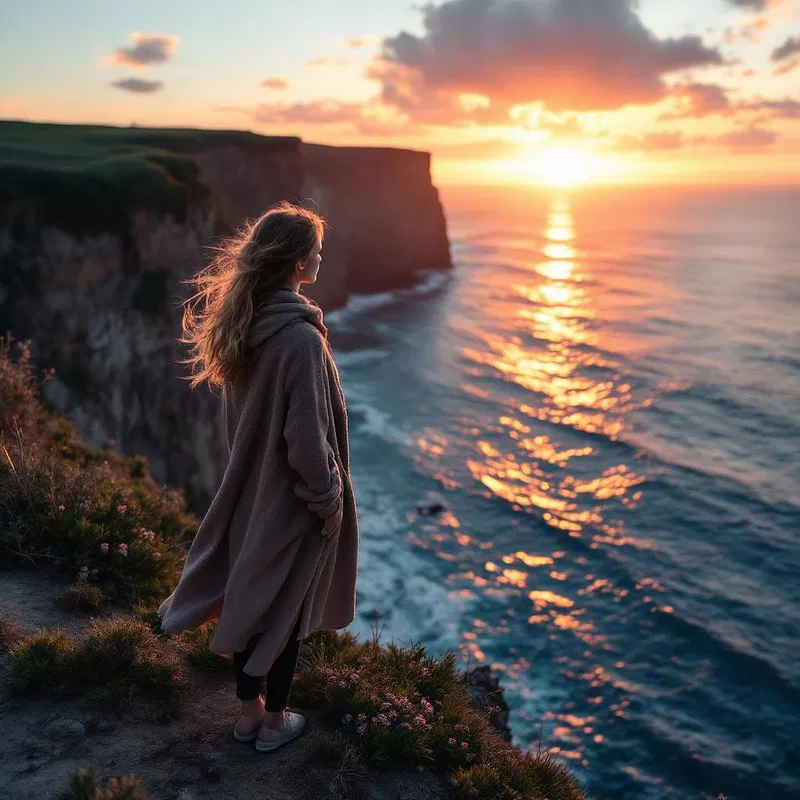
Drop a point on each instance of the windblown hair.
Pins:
(255, 261)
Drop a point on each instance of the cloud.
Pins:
(774, 109)
(747, 139)
(789, 48)
(478, 150)
(787, 67)
(147, 49)
(138, 86)
(698, 100)
(357, 42)
(756, 5)
(275, 83)
(649, 142)
(568, 54)
(536, 117)
(314, 112)
(328, 62)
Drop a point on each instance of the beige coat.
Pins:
(259, 557)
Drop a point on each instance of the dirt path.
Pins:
(44, 741)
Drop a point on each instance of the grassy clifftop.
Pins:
(89, 178)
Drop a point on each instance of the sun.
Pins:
(562, 165)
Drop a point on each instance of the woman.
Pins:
(276, 556)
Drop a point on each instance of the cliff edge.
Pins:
(100, 225)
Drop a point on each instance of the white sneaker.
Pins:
(270, 738)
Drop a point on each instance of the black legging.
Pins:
(279, 678)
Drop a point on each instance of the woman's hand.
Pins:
(333, 522)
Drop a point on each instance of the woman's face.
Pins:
(308, 269)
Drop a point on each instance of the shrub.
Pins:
(351, 775)
(425, 718)
(515, 776)
(91, 514)
(195, 645)
(83, 597)
(116, 664)
(85, 785)
(41, 662)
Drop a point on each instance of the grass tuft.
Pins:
(195, 645)
(83, 598)
(85, 785)
(117, 664)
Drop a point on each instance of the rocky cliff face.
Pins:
(104, 307)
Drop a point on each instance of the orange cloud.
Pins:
(478, 150)
(147, 49)
(649, 142)
(275, 83)
(315, 112)
(748, 139)
(570, 55)
(787, 67)
(357, 42)
(328, 62)
(698, 100)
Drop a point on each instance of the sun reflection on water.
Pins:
(537, 360)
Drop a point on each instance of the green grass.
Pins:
(195, 646)
(400, 707)
(117, 664)
(90, 179)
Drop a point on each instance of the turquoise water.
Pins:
(605, 394)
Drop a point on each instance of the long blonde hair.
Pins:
(258, 259)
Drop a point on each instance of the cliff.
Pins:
(99, 226)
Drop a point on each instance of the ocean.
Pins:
(604, 395)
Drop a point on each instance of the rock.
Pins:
(65, 728)
(185, 794)
(430, 509)
(484, 690)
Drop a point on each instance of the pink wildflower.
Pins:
(361, 730)
(464, 745)
(451, 741)
(122, 508)
(361, 719)
(123, 549)
(426, 707)
(104, 547)
(61, 508)
(419, 720)
(392, 715)
(381, 719)
(405, 725)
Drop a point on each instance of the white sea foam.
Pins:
(403, 586)
(358, 304)
(357, 358)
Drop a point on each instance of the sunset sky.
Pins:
(540, 91)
